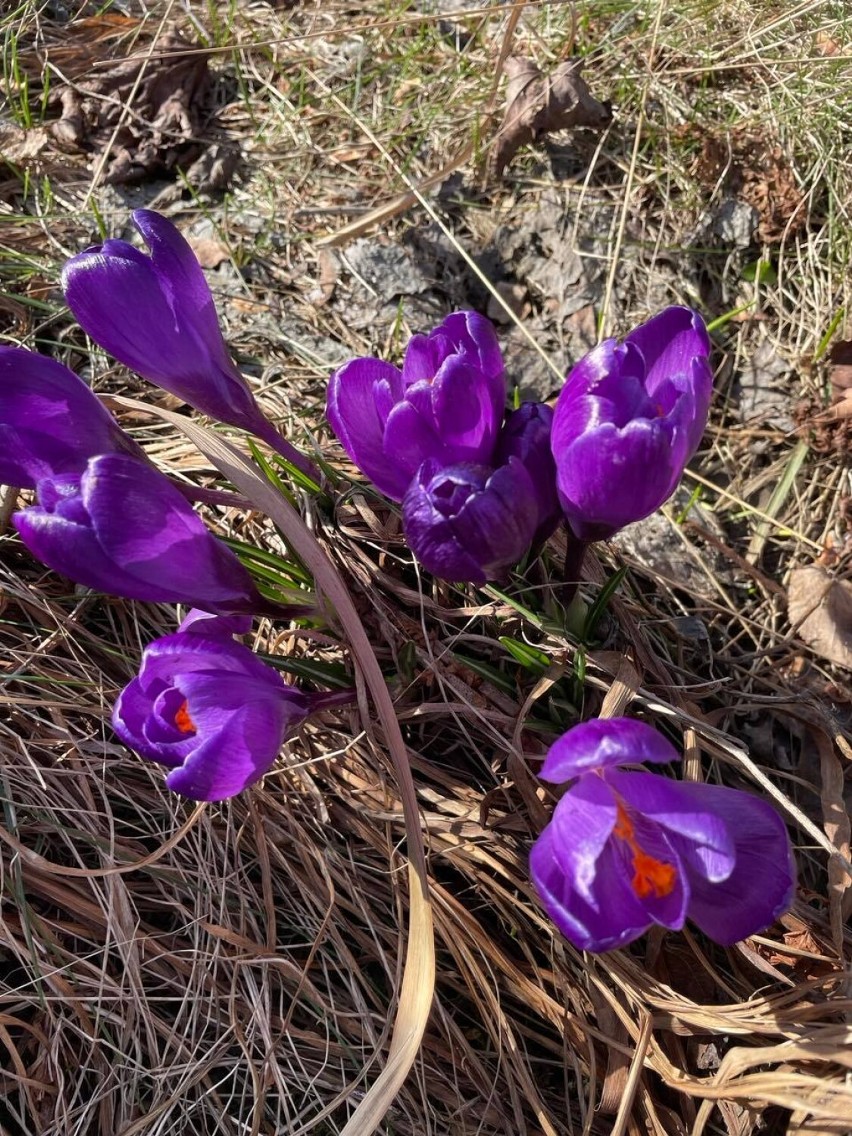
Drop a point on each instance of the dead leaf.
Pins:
(209, 252)
(840, 367)
(820, 611)
(538, 104)
(329, 270)
(149, 108)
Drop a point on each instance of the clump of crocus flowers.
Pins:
(626, 848)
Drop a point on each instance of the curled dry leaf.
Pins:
(164, 90)
(538, 104)
(820, 611)
(840, 368)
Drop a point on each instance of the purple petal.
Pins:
(209, 709)
(146, 525)
(668, 343)
(72, 549)
(231, 760)
(763, 883)
(160, 319)
(700, 835)
(50, 422)
(132, 723)
(466, 522)
(605, 742)
(613, 919)
(526, 436)
(609, 478)
(126, 529)
(204, 623)
(628, 419)
(468, 410)
(360, 397)
(470, 331)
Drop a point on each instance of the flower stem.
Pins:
(575, 554)
(330, 699)
(279, 443)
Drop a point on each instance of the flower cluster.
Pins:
(104, 516)
(477, 490)
(628, 849)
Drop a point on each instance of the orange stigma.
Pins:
(183, 721)
(650, 877)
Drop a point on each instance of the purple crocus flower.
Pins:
(209, 710)
(50, 421)
(625, 850)
(122, 527)
(627, 421)
(526, 436)
(154, 313)
(469, 522)
(446, 403)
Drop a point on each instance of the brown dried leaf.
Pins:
(209, 252)
(538, 104)
(164, 91)
(840, 367)
(820, 610)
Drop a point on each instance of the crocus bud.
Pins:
(50, 422)
(446, 404)
(469, 522)
(627, 849)
(154, 313)
(526, 436)
(627, 421)
(209, 710)
(122, 527)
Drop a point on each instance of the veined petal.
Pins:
(668, 343)
(605, 742)
(610, 477)
(761, 886)
(358, 423)
(685, 810)
(614, 919)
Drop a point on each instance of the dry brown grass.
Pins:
(239, 968)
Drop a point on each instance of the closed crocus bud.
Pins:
(627, 850)
(123, 528)
(469, 522)
(209, 710)
(50, 422)
(627, 421)
(446, 403)
(154, 313)
(526, 436)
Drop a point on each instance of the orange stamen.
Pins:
(183, 721)
(651, 877)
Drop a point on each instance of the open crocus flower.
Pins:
(50, 421)
(469, 522)
(446, 403)
(208, 709)
(122, 527)
(628, 849)
(627, 421)
(526, 436)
